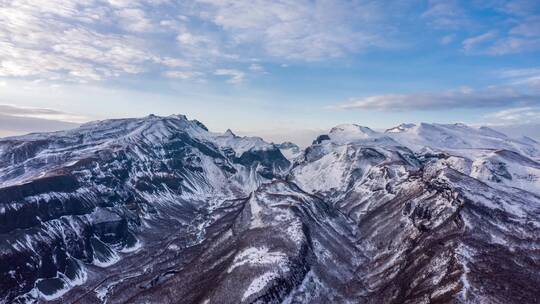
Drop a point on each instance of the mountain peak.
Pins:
(529, 140)
(352, 129)
(100, 192)
(400, 128)
(179, 116)
(489, 131)
(230, 133)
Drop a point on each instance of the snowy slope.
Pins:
(290, 150)
(241, 144)
(57, 187)
(436, 227)
(352, 133)
(157, 209)
(459, 138)
(483, 153)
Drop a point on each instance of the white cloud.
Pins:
(256, 67)
(513, 45)
(187, 38)
(518, 73)
(62, 40)
(82, 41)
(300, 29)
(520, 7)
(134, 19)
(529, 77)
(518, 30)
(446, 14)
(530, 27)
(96, 40)
(236, 76)
(174, 62)
(472, 43)
(14, 125)
(448, 39)
(461, 98)
(521, 115)
(182, 74)
(49, 114)
(202, 47)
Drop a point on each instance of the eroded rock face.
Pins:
(423, 226)
(159, 209)
(73, 202)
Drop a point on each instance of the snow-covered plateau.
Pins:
(161, 210)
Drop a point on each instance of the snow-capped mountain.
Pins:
(290, 150)
(459, 138)
(431, 227)
(159, 209)
(482, 153)
(76, 199)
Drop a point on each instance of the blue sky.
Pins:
(283, 69)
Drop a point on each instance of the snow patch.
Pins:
(259, 284)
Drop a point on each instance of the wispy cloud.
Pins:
(300, 30)
(235, 76)
(446, 14)
(256, 67)
(514, 45)
(16, 120)
(461, 98)
(183, 74)
(528, 76)
(515, 28)
(530, 27)
(12, 110)
(520, 7)
(472, 43)
(62, 40)
(521, 115)
(448, 39)
(83, 41)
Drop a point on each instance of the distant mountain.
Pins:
(289, 150)
(160, 210)
(459, 138)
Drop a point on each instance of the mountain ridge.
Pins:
(159, 208)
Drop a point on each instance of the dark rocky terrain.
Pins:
(160, 210)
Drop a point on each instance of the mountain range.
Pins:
(161, 210)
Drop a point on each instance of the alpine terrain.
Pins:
(160, 210)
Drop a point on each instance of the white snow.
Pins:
(240, 144)
(259, 256)
(256, 213)
(56, 295)
(464, 256)
(259, 284)
(110, 261)
(290, 153)
(68, 284)
(353, 133)
(295, 232)
(459, 139)
(136, 247)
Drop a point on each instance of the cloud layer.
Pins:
(17, 120)
(462, 98)
(94, 40)
(513, 26)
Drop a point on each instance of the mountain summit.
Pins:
(160, 209)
